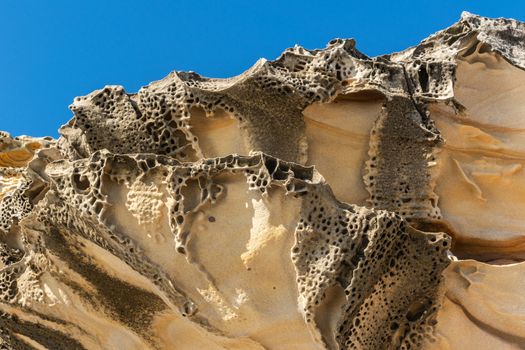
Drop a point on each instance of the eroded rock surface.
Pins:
(324, 200)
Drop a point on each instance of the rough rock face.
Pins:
(324, 200)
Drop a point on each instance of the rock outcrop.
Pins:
(324, 200)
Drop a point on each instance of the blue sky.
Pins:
(52, 51)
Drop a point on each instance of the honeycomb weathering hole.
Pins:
(324, 200)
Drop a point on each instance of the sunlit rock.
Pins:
(324, 200)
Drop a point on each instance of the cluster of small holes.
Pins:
(327, 236)
(258, 179)
(393, 293)
(9, 255)
(318, 74)
(431, 79)
(398, 172)
(382, 265)
(8, 282)
(15, 206)
(82, 188)
(499, 34)
(148, 122)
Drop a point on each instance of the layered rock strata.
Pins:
(324, 200)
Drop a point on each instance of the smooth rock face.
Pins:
(324, 200)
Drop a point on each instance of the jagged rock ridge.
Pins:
(324, 200)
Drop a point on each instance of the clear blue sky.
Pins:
(54, 50)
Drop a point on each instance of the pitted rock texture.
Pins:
(324, 200)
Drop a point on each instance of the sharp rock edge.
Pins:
(196, 213)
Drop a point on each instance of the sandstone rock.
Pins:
(324, 200)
